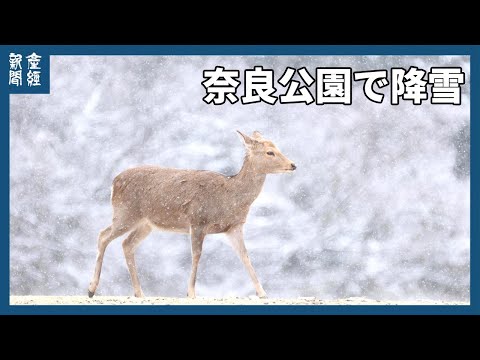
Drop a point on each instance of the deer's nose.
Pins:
(293, 166)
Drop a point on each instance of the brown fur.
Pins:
(188, 201)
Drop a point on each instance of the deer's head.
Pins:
(265, 156)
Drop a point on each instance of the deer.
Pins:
(195, 202)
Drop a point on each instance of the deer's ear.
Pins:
(247, 140)
(257, 136)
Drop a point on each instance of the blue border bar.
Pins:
(474, 180)
(472, 50)
(5, 188)
(242, 309)
(250, 49)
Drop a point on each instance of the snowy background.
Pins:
(378, 207)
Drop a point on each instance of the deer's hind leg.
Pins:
(129, 245)
(105, 237)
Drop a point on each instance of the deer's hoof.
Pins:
(262, 295)
(90, 294)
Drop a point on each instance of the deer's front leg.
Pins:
(235, 235)
(197, 236)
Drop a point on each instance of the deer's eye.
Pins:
(271, 153)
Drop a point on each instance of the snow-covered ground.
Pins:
(129, 300)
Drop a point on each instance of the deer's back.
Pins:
(175, 199)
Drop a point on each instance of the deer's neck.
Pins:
(248, 183)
